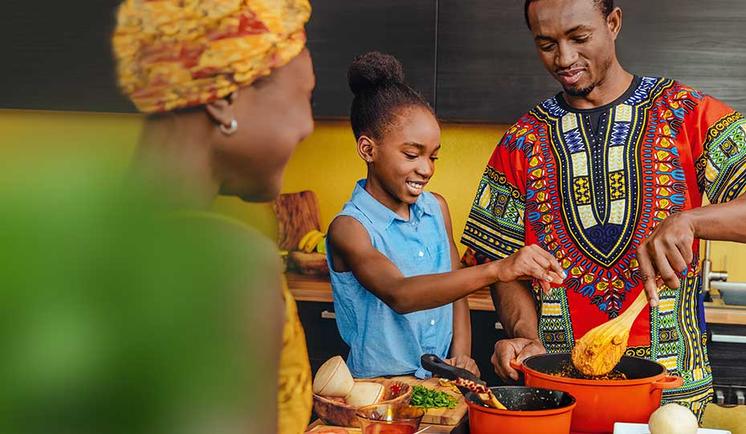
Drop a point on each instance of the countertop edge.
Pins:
(318, 289)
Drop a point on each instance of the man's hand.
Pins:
(531, 262)
(514, 349)
(666, 253)
(464, 362)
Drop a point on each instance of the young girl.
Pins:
(391, 250)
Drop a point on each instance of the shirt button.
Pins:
(432, 322)
(421, 254)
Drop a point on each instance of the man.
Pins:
(609, 176)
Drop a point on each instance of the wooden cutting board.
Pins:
(431, 429)
(439, 416)
(296, 213)
(314, 428)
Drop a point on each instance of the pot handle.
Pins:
(668, 382)
(434, 364)
(518, 366)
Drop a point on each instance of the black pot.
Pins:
(520, 398)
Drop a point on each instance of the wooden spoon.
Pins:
(603, 346)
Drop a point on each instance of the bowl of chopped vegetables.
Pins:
(425, 397)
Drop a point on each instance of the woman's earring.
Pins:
(230, 129)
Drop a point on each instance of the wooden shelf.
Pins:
(309, 288)
(314, 288)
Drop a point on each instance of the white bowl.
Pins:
(333, 379)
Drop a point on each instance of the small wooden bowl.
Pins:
(340, 414)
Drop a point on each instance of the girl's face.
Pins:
(403, 160)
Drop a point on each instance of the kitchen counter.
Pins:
(312, 288)
(716, 417)
(732, 419)
(718, 312)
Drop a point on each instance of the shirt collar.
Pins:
(381, 215)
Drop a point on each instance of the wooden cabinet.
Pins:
(339, 30)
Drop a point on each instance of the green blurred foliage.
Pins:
(117, 315)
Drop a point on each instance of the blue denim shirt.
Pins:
(383, 342)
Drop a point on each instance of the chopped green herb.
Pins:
(429, 398)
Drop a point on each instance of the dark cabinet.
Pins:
(475, 61)
(324, 341)
(57, 56)
(485, 331)
(488, 68)
(339, 30)
(322, 336)
(703, 47)
(726, 347)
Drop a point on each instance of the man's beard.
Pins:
(580, 91)
(585, 91)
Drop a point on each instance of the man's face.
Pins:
(574, 41)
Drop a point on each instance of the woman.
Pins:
(226, 87)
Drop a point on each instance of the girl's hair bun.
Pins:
(374, 69)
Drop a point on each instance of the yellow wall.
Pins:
(326, 163)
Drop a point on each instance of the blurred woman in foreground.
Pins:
(226, 86)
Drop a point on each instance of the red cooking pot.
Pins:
(600, 403)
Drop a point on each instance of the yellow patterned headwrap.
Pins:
(179, 53)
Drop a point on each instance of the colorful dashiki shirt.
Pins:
(590, 194)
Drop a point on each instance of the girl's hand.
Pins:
(531, 262)
(464, 362)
